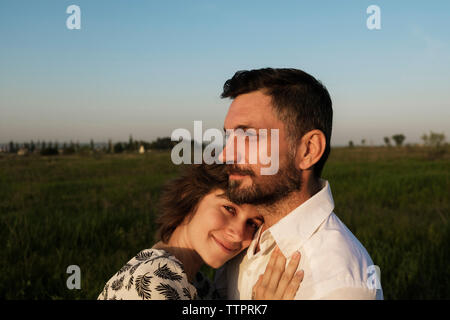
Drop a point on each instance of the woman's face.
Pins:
(220, 229)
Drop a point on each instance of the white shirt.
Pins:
(335, 263)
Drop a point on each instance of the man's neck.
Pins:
(275, 212)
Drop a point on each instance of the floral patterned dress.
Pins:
(155, 274)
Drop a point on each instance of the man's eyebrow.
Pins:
(242, 126)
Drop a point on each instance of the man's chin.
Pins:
(240, 181)
(236, 177)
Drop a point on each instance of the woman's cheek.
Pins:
(246, 243)
(213, 220)
(221, 219)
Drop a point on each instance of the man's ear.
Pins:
(311, 148)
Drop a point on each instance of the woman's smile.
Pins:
(227, 248)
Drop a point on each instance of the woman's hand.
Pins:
(278, 282)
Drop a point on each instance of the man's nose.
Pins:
(229, 153)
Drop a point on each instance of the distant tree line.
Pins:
(48, 148)
(134, 145)
(434, 139)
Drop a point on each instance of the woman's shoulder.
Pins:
(151, 274)
(152, 257)
(160, 263)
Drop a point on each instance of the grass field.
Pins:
(98, 211)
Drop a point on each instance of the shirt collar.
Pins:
(298, 226)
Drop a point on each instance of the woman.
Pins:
(197, 225)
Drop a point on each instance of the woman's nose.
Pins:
(236, 231)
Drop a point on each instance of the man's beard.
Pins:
(265, 189)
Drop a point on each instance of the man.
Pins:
(296, 203)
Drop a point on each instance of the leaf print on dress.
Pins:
(130, 283)
(133, 269)
(169, 292)
(124, 268)
(187, 293)
(144, 255)
(170, 256)
(164, 272)
(179, 264)
(117, 284)
(164, 255)
(142, 286)
(105, 290)
(167, 255)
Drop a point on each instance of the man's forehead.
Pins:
(252, 109)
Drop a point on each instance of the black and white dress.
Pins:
(155, 274)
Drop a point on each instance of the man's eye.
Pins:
(253, 224)
(230, 209)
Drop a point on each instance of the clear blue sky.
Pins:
(148, 67)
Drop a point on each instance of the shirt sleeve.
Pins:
(168, 282)
(339, 287)
(162, 279)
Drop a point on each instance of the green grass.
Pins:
(399, 208)
(98, 211)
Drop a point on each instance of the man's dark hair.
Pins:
(300, 101)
